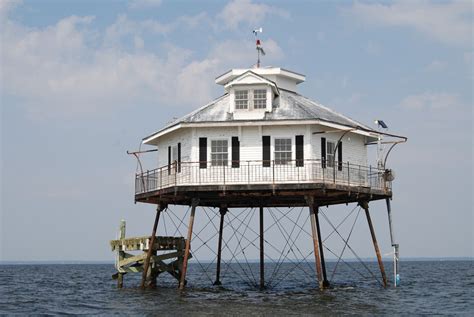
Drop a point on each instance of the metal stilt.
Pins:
(182, 281)
(314, 229)
(222, 211)
(365, 205)
(396, 274)
(321, 249)
(146, 264)
(262, 253)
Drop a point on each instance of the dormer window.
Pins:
(259, 98)
(250, 99)
(241, 99)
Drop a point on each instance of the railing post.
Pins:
(161, 177)
(360, 177)
(175, 172)
(348, 175)
(147, 180)
(297, 171)
(370, 176)
(248, 172)
(273, 172)
(223, 167)
(324, 178)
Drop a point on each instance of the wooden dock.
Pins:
(170, 249)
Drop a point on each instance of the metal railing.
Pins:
(261, 172)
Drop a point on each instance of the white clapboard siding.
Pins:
(354, 149)
(182, 136)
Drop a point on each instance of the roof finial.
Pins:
(258, 45)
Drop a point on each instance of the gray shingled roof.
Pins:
(288, 106)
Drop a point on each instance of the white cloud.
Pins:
(431, 101)
(435, 66)
(7, 5)
(447, 22)
(123, 27)
(244, 11)
(71, 68)
(138, 4)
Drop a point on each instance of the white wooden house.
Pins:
(261, 131)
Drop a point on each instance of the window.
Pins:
(330, 153)
(219, 152)
(251, 99)
(282, 151)
(241, 99)
(260, 99)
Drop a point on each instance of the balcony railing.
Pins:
(261, 172)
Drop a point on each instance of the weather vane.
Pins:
(258, 45)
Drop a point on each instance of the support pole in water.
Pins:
(365, 205)
(121, 254)
(222, 211)
(182, 281)
(323, 263)
(262, 253)
(146, 264)
(396, 274)
(312, 215)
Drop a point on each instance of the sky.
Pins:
(83, 81)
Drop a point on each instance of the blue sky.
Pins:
(84, 81)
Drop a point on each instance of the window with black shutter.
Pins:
(299, 141)
(179, 157)
(169, 160)
(235, 152)
(202, 152)
(266, 150)
(323, 152)
(339, 156)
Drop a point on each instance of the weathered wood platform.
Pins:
(133, 263)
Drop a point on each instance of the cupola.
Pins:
(252, 91)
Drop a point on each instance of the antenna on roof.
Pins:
(258, 45)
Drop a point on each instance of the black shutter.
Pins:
(202, 152)
(169, 160)
(179, 157)
(266, 150)
(339, 156)
(323, 152)
(235, 152)
(299, 150)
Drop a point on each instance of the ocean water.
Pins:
(428, 287)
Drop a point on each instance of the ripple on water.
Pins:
(428, 288)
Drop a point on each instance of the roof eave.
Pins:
(151, 140)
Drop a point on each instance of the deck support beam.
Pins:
(365, 206)
(262, 252)
(146, 264)
(182, 281)
(222, 211)
(314, 229)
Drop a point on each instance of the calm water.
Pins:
(428, 287)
